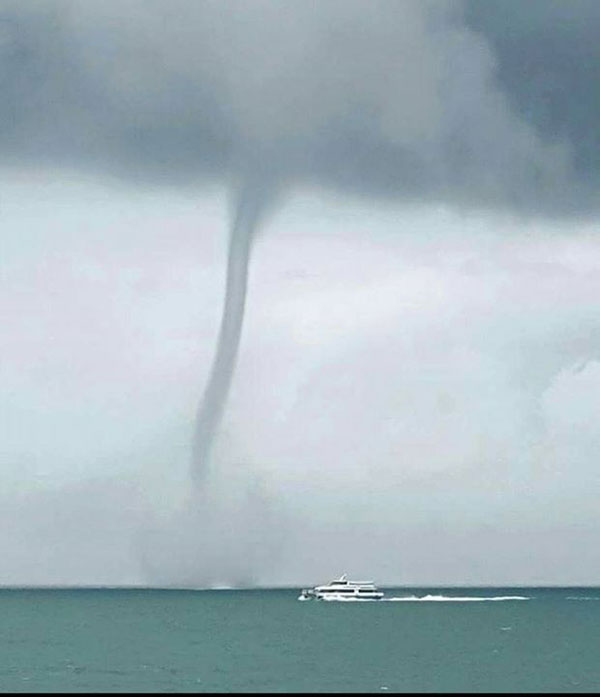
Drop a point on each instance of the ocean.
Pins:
(137, 640)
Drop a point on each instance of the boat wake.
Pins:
(424, 599)
(453, 599)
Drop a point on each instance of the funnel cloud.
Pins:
(249, 207)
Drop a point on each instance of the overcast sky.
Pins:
(416, 393)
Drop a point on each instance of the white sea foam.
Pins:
(453, 599)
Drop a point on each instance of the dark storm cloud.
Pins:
(549, 66)
(382, 98)
(59, 105)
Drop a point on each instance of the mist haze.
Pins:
(401, 381)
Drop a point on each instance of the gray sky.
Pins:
(416, 393)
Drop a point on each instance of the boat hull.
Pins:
(329, 597)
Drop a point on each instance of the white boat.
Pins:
(343, 589)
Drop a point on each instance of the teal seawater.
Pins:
(92, 640)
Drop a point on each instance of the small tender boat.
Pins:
(343, 589)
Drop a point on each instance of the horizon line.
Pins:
(126, 586)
